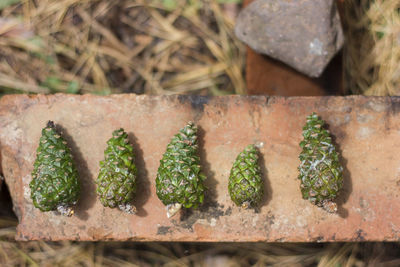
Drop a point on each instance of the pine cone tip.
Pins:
(330, 206)
(50, 124)
(173, 209)
(65, 210)
(128, 208)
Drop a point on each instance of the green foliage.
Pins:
(73, 87)
(170, 4)
(230, 1)
(103, 91)
(7, 90)
(37, 48)
(189, 6)
(55, 84)
(6, 3)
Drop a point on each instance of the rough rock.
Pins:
(304, 34)
(1, 175)
(366, 130)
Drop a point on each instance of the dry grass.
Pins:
(372, 52)
(39, 253)
(99, 46)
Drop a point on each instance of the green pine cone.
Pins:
(245, 181)
(55, 184)
(179, 179)
(116, 183)
(320, 170)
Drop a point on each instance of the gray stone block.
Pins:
(303, 34)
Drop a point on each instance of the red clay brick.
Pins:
(366, 129)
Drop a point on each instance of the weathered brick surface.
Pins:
(367, 131)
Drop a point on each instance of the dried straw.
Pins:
(102, 47)
(39, 253)
(372, 51)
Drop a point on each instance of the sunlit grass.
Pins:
(103, 47)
